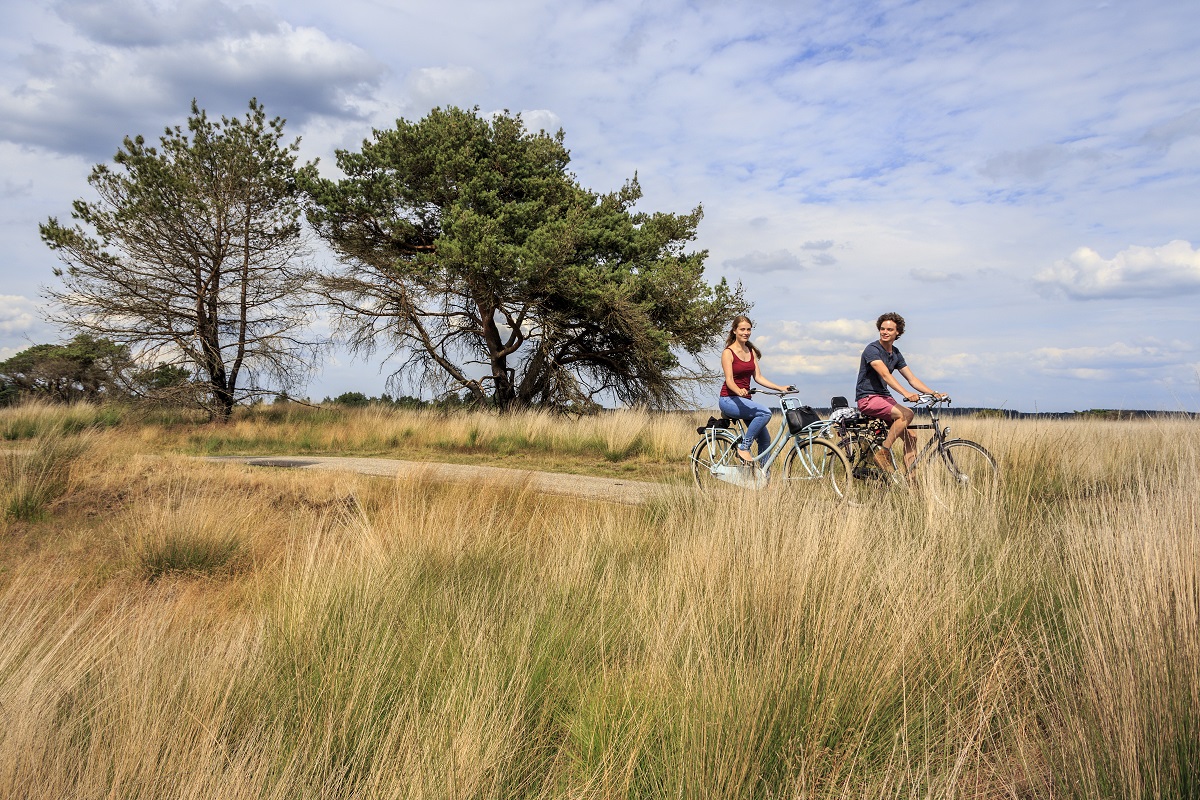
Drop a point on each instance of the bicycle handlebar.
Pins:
(789, 390)
(930, 400)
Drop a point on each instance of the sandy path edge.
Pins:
(615, 490)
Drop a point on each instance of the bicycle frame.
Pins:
(738, 473)
(935, 443)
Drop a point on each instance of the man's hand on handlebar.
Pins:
(932, 397)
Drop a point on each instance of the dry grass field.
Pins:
(174, 628)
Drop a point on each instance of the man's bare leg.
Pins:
(901, 416)
(910, 451)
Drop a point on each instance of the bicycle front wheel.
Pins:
(817, 468)
(970, 472)
(713, 453)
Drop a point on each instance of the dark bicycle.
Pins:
(970, 470)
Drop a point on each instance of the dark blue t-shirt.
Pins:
(871, 382)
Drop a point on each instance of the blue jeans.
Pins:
(756, 416)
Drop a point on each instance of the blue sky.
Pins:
(1021, 180)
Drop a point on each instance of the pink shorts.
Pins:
(876, 405)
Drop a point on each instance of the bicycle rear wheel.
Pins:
(818, 468)
(970, 473)
(869, 480)
(712, 453)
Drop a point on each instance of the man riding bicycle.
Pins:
(879, 360)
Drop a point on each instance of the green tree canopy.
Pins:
(192, 256)
(469, 250)
(85, 368)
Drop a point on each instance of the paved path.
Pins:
(616, 490)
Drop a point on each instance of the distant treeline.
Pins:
(358, 400)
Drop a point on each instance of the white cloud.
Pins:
(22, 325)
(438, 86)
(1165, 134)
(142, 23)
(762, 263)
(17, 314)
(85, 99)
(811, 365)
(1145, 360)
(1035, 163)
(540, 119)
(1136, 272)
(858, 331)
(12, 189)
(827, 348)
(935, 276)
(957, 367)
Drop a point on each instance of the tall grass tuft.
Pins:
(192, 530)
(37, 473)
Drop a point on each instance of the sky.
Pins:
(1020, 180)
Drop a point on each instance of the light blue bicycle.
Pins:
(811, 466)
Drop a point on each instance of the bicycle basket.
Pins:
(800, 418)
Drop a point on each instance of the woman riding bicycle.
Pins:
(739, 362)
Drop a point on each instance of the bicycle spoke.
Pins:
(817, 468)
(964, 472)
(712, 454)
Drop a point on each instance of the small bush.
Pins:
(352, 399)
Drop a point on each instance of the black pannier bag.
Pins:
(714, 422)
(800, 418)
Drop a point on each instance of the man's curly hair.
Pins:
(894, 317)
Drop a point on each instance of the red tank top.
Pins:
(743, 371)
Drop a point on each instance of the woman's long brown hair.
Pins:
(738, 320)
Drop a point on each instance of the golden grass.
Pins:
(628, 443)
(325, 635)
